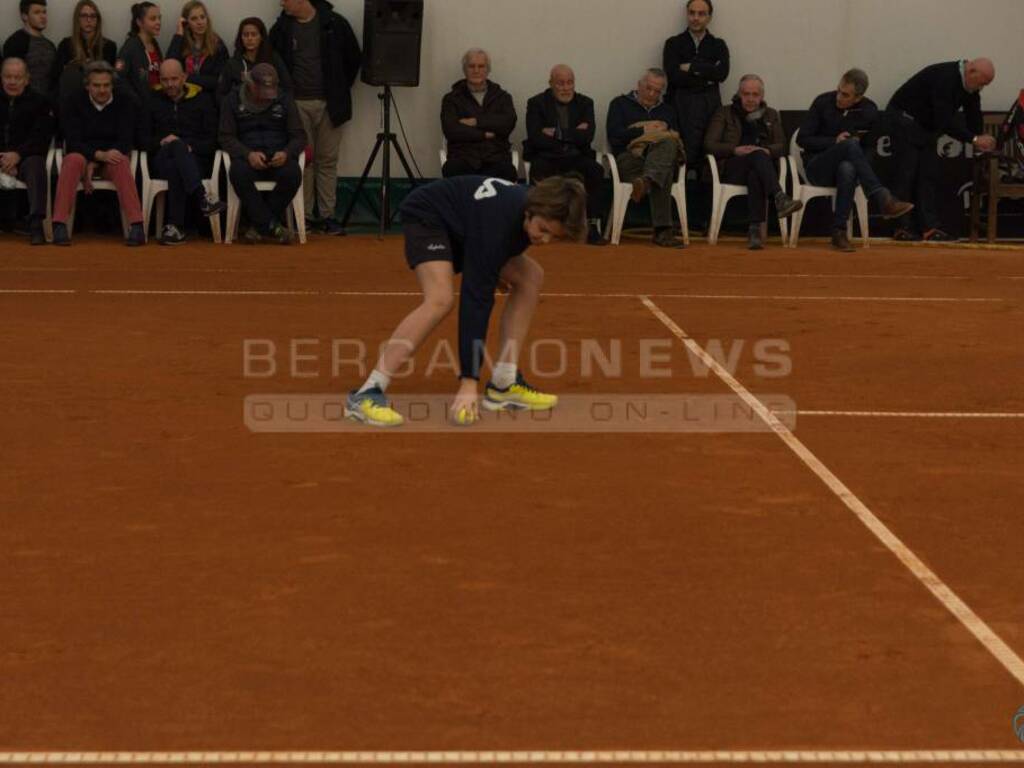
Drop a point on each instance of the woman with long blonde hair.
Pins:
(86, 42)
(198, 47)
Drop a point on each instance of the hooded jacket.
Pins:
(496, 115)
(193, 119)
(26, 123)
(339, 52)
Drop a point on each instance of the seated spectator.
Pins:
(920, 111)
(831, 137)
(644, 137)
(183, 141)
(746, 138)
(85, 44)
(262, 132)
(33, 47)
(99, 131)
(199, 49)
(252, 47)
(477, 117)
(140, 57)
(560, 129)
(26, 128)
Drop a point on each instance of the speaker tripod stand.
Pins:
(385, 140)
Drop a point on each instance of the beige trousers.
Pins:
(320, 180)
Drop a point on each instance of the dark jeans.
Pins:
(917, 169)
(500, 169)
(660, 164)
(261, 212)
(184, 174)
(32, 171)
(757, 173)
(843, 166)
(592, 172)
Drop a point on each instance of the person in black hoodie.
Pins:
(199, 49)
(252, 47)
(559, 131)
(33, 47)
(477, 117)
(921, 110)
(261, 131)
(26, 128)
(182, 142)
(99, 137)
(697, 63)
(323, 57)
(831, 136)
(140, 57)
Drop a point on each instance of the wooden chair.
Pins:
(988, 180)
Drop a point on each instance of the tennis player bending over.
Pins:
(480, 227)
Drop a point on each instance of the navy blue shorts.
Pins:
(429, 242)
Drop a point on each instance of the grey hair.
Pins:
(476, 52)
(99, 67)
(654, 72)
(747, 78)
(858, 78)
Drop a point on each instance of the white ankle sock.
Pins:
(377, 379)
(504, 375)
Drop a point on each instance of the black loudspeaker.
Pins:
(391, 42)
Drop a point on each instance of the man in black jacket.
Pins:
(323, 57)
(477, 117)
(921, 110)
(33, 47)
(181, 144)
(639, 126)
(559, 131)
(831, 137)
(26, 128)
(697, 63)
(262, 132)
(99, 132)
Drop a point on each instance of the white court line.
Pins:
(963, 613)
(661, 757)
(34, 290)
(692, 296)
(906, 414)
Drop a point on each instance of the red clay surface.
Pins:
(172, 581)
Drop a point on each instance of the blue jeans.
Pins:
(843, 166)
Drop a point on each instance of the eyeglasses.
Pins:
(88, 16)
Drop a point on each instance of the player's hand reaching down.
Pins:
(465, 409)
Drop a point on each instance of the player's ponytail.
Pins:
(560, 199)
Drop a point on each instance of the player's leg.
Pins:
(368, 403)
(507, 389)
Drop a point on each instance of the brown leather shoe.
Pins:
(641, 187)
(893, 208)
(841, 242)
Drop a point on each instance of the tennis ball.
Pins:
(464, 417)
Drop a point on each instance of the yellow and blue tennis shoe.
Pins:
(371, 407)
(520, 396)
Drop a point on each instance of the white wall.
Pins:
(800, 47)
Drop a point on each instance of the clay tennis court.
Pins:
(176, 587)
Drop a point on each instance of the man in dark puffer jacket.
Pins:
(262, 132)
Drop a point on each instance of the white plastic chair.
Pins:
(154, 190)
(804, 191)
(620, 200)
(442, 153)
(721, 194)
(98, 184)
(51, 156)
(296, 211)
